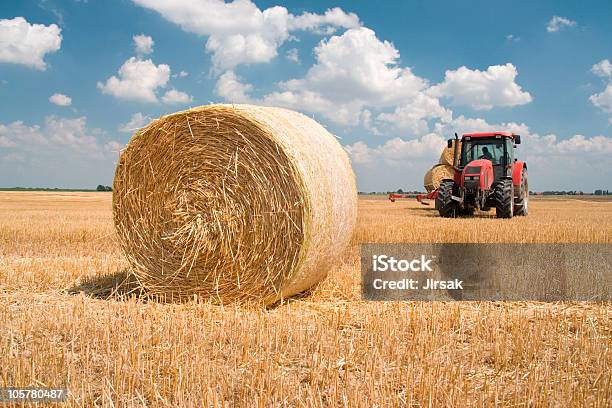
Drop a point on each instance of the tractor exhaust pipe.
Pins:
(456, 153)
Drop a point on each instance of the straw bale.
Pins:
(435, 175)
(233, 203)
(448, 154)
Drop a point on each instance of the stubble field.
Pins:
(70, 316)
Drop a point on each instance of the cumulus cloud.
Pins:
(482, 90)
(143, 44)
(293, 55)
(603, 100)
(6, 142)
(352, 71)
(137, 80)
(181, 74)
(172, 96)
(398, 151)
(556, 23)
(137, 120)
(603, 69)
(59, 152)
(27, 44)
(413, 115)
(56, 133)
(60, 99)
(239, 32)
(512, 38)
(230, 87)
(461, 125)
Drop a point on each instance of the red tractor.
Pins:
(486, 176)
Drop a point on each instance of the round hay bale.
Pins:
(435, 175)
(233, 203)
(427, 181)
(448, 154)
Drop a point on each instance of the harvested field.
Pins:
(69, 315)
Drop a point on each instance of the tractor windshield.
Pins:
(490, 149)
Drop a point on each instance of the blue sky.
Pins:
(393, 82)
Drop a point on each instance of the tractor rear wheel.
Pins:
(521, 207)
(504, 199)
(444, 203)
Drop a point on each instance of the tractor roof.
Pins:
(489, 134)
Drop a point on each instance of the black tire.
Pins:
(446, 206)
(504, 199)
(521, 206)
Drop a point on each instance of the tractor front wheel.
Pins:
(521, 207)
(444, 203)
(504, 199)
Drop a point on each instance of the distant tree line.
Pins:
(103, 188)
(561, 192)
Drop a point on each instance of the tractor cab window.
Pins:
(489, 149)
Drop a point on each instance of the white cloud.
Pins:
(60, 99)
(181, 74)
(230, 87)
(61, 152)
(17, 133)
(138, 80)
(556, 23)
(293, 55)
(352, 71)
(239, 32)
(172, 96)
(482, 90)
(56, 133)
(413, 116)
(143, 44)
(113, 147)
(461, 125)
(603, 100)
(6, 142)
(512, 38)
(398, 151)
(137, 120)
(357, 65)
(323, 23)
(603, 69)
(345, 114)
(27, 44)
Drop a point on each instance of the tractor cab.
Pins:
(498, 148)
(486, 175)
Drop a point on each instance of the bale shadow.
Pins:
(121, 285)
(298, 297)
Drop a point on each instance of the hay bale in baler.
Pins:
(233, 203)
(448, 154)
(433, 178)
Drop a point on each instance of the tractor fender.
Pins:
(517, 172)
